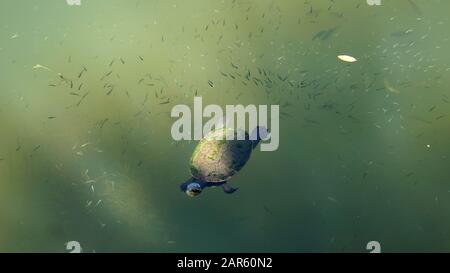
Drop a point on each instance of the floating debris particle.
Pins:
(390, 88)
(38, 66)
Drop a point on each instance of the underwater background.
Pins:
(86, 152)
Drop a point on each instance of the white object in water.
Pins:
(41, 66)
(347, 58)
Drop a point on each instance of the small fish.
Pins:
(390, 88)
(145, 99)
(85, 145)
(211, 83)
(82, 98)
(312, 121)
(51, 117)
(102, 123)
(81, 72)
(415, 7)
(401, 33)
(420, 119)
(267, 209)
(324, 34)
(61, 76)
(332, 199)
(109, 73)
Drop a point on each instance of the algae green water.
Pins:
(86, 152)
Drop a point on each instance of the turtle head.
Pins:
(193, 189)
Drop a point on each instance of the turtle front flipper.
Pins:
(228, 189)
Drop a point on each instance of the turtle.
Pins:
(217, 158)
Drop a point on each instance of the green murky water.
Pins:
(85, 147)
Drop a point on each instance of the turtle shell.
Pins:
(216, 159)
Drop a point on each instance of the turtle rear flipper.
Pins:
(228, 189)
